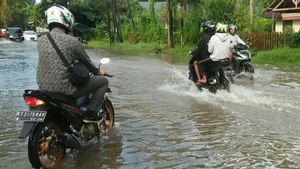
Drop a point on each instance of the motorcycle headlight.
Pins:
(10, 36)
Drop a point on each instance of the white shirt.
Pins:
(219, 46)
(235, 39)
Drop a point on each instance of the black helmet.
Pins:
(209, 26)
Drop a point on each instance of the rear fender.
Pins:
(27, 128)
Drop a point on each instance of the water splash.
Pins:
(255, 97)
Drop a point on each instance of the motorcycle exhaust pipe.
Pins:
(70, 141)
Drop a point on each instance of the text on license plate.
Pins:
(33, 116)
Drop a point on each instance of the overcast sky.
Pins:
(146, 5)
(38, 1)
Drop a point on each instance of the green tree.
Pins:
(35, 15)
(152, 11)
(16, 13)
(221, 10)
(4, 13)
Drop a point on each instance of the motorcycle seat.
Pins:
(81, 101)
(60, 96)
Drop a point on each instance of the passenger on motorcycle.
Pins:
(52, 74)
(201, 53)
(232, 36)
(219, 44)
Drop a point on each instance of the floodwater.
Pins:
(162, 121)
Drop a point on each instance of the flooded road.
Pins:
(162, 121)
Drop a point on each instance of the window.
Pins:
(287, 25)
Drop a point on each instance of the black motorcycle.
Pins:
(55, 123)
(216, 79)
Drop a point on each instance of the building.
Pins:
(284, 13)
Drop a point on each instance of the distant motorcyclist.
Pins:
(232, 36)
(52, 74)
(201, 53)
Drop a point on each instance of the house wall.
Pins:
(296, 26)
(279, 26)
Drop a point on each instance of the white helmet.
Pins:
(232, 26)
(58, 15)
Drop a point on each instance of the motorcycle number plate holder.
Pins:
(31, 116)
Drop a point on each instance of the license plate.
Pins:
(31, 116)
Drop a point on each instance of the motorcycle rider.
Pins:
(201, 53)
(219, 44)
(232, 36)
(52, 73)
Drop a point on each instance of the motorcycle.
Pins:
(55, 123)
(241, 60)
(216, 79)
(240, 63)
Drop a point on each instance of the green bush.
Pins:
(295, 41)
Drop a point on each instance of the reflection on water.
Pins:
(163, 121)
(291, 79)
(17, 69)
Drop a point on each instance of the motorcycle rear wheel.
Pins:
(226, 84)
(212, 88)
(44, 150)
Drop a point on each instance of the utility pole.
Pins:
(251, 10)
(170, 24)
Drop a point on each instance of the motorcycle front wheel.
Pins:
(44, 149)
(108, 116)
(247, 67)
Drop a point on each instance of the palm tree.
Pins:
(5, 18)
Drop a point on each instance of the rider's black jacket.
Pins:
(202, 48)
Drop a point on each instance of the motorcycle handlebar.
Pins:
(108, 75)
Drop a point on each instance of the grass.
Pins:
(173, 55)
(124, 48)
(285, 58)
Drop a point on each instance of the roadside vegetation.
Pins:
(178, 54)
(170, 29)
(285, 58)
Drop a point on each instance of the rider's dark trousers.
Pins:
(97, 85)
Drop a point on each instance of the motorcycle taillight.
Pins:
(33, 101)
